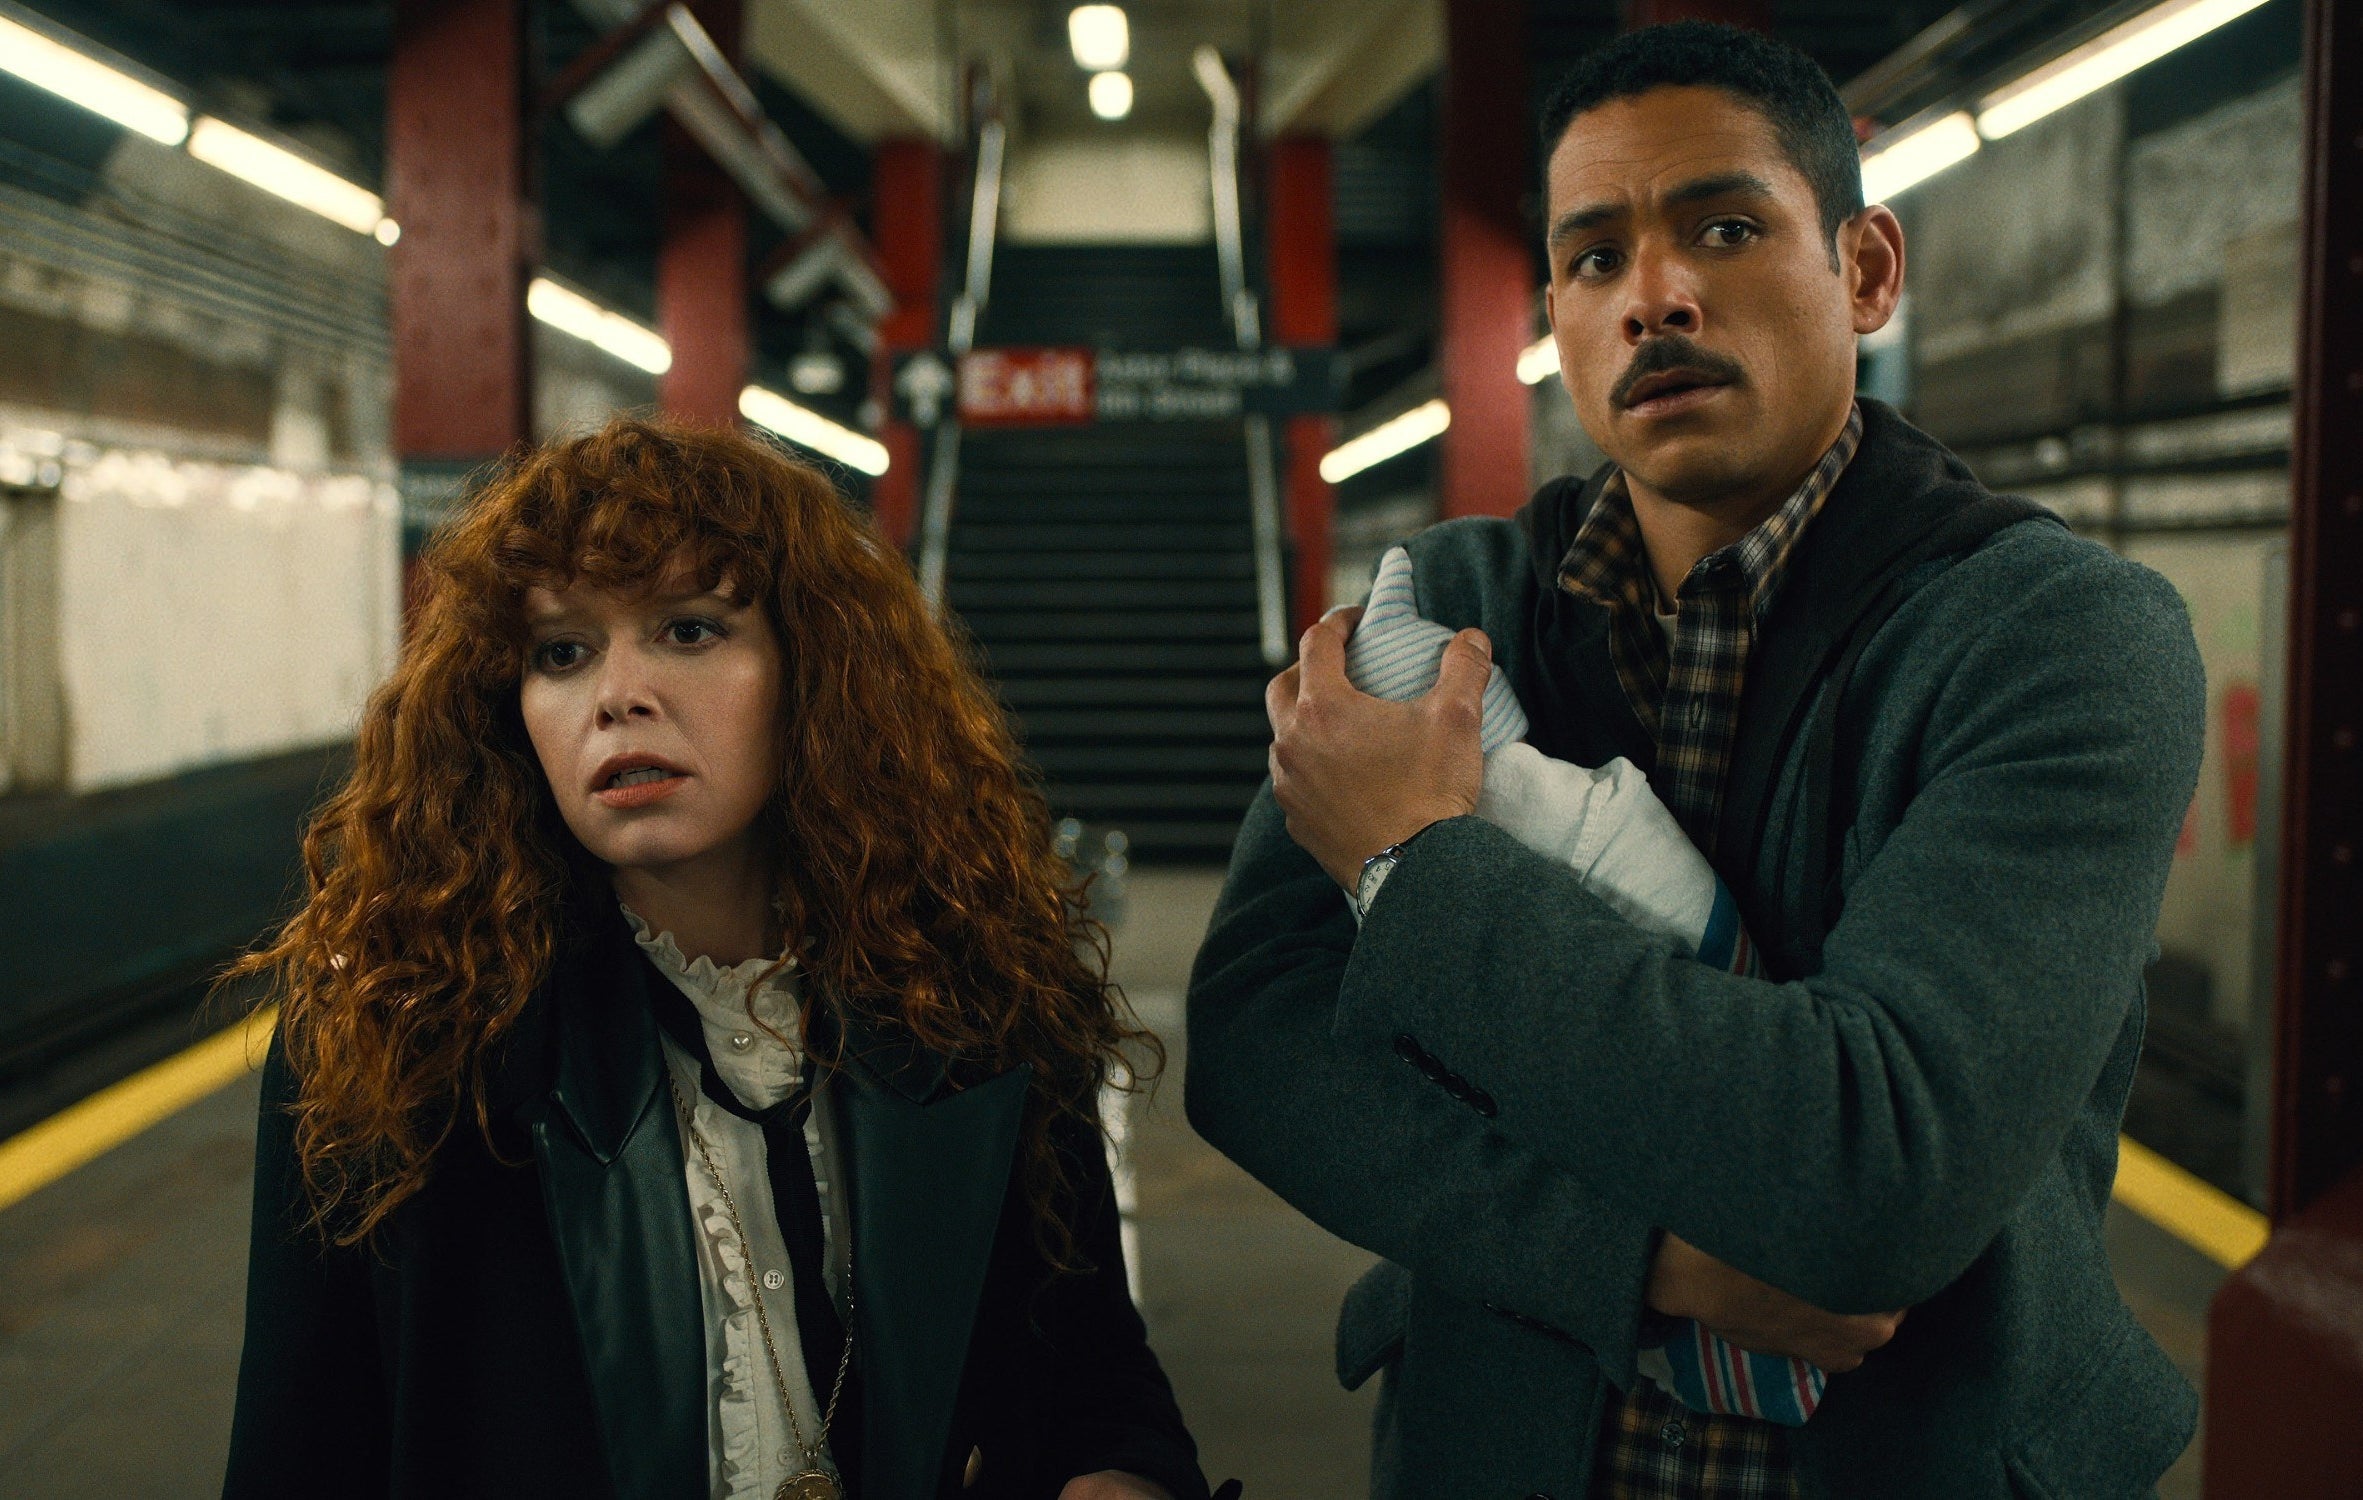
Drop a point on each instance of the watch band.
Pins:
(1375, 871)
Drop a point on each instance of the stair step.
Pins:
(964, 565)
(1127, 593)
(1146, 536)
(989, 626)
(1024, 693)
(1017, 658)
(1182, 472)
(1068, 726)
(1086, 763)
(1098, 507)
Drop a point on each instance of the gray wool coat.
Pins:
(1507, 1092)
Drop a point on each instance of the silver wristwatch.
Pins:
(1375, 871)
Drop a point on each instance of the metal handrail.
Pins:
(1230, 250)
(943, 472)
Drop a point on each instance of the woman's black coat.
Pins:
(530, 1324)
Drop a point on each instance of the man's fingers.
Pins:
(1280, 701)
(1321, 654)
(1467, 664)
(1349, 615)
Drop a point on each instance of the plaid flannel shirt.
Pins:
(1686, 692)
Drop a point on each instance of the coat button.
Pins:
(1673, 1434)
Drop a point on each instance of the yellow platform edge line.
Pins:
(40, 1155)
(2201, 1215)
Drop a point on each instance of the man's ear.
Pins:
(1871, 257)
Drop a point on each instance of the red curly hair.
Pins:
(923, 889)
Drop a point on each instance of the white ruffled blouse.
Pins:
(751, 1445)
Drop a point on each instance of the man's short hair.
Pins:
(1778, 81)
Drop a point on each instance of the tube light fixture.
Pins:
(1099, 37)
(79, 78)
(2102, 61)
(809, 429)
(1538, 361)
(1395, 435)
(277, 170)
(1111, 95)
(1915, 155)
(570, 312)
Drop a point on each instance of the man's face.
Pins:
(1707, 341)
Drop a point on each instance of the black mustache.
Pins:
(1673, 352)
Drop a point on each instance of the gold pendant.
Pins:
(811, 1484)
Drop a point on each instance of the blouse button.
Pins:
(773, 1281)
(740, 1041)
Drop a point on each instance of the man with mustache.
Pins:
(1938, 749)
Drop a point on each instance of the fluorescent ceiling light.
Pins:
(1538, 361)
(809, 429)
(1891, 166)
(275, 169)
(1395, 435)
(388, 232)
(1111, 95)
(569, 311)
(2102, 61)
(84, 80)
(1099, 37)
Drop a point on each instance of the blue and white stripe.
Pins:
(1396, 655)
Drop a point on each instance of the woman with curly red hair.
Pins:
(689, 1051)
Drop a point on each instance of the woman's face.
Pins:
(653, 718)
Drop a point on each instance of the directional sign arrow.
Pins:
(924, 382)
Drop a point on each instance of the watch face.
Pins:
(1374, 875)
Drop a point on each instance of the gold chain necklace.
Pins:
(813, 1481)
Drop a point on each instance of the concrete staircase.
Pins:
(1108, 572)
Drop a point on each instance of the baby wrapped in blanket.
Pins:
(1626, 848)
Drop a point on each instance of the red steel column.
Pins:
(2285, 1336)
(907, 226)
(1301, 232)
(1754, 14)
(1487, 310)
(455, 182)
(701, 268)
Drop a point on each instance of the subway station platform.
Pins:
(1142, 334)
(122, 1286)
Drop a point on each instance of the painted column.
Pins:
(701, 268)
(1488, 273)
(907, 226)
(1300, 226)
(455, 182)
(2285, 1336)
(1754, 14)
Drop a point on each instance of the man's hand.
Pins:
(1686, 1282)
(1354, 773)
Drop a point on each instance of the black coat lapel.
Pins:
(618, 1204)
(928, 1177)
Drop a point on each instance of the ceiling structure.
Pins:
(839, 74)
